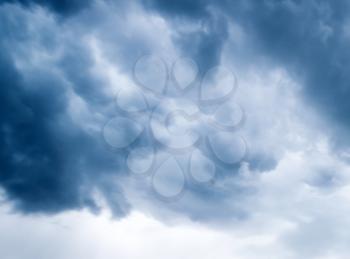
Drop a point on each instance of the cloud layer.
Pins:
(64, 64)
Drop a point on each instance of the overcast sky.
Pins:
(174, 129)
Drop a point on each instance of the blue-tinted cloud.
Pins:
(61, 7)
(48, 162)
(57, 84)
(310, 38)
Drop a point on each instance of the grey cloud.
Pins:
(48, 162)
(64, 7)
(308, 38)
(51, 163)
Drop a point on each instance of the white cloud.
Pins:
(82, 235)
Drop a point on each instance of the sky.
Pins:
(174, 129)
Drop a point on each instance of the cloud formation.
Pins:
(48, 162)
(64, 62)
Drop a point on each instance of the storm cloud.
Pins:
(63, 62)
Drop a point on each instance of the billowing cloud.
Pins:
(72, 72)
(48, 161)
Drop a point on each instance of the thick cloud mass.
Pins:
(30, 146)
(64, 7)
(310, 38)
(59, 78)
(65, 64)
(48, 163)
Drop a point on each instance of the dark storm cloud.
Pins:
(310, 39)
(31, 144)
(64, 7)
(48, 163)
